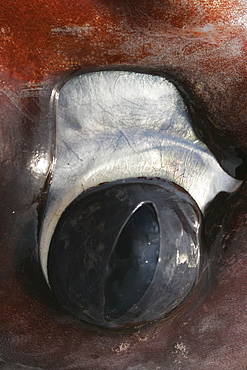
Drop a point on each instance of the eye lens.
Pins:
(133, 262)
(124, 253)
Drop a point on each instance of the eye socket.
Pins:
(124, 125)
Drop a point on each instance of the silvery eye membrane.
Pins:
(124, 129)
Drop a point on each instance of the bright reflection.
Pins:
(39, 164)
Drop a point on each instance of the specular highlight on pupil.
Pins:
(133, 262)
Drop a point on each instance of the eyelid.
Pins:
(115, 125)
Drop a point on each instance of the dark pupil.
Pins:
(133, 262)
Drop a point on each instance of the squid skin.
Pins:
(202, 47)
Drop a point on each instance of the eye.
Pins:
(120, 239)
(120, 249)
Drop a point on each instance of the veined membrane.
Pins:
(113, 125)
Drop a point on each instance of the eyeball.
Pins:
(125, 252)
(120, 238)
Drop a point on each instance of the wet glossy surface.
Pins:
(202, 46)
(87, 245)
(133, 261)
(113, 125)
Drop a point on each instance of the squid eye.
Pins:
(120, 239)
(125, 252)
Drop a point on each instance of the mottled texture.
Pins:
(84, 241)
(201, 45)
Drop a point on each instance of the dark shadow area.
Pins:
(27, 269)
